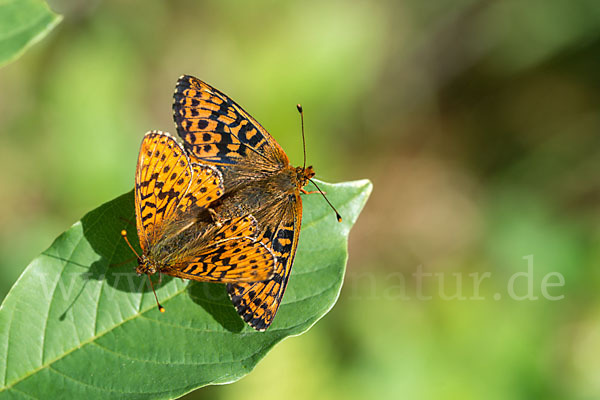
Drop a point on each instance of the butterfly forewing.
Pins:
(162, 177)
(216, 130)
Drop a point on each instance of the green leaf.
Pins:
(23, 23)
(79, 325)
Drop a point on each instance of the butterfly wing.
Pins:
(162, 177)
(217, 131)
(230, 254)
(257, 303)
(205, 187)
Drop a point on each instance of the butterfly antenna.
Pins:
(301, 111)
(337, 214)
(124, 234)
(160, 308)
(299, 107)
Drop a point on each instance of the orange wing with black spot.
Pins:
(162, 179)
(232, 255)
(205, 187)
(216, 130)
(257, 303)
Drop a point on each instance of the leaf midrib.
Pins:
(90, 340)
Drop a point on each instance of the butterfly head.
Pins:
(145, 266)
(304, 174)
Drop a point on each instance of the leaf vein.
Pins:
(82, 383)
(93, 338)
(22, 392)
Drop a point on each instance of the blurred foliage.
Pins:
(22, 23)
(476, 120)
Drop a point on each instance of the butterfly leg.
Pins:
(312, 191)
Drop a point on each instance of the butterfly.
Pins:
(175, 225)
(258, 180)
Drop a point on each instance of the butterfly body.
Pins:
(258, 180)
(261, 195)
(188, 233)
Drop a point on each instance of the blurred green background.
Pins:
(477, 121)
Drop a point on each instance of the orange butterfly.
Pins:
(258, 180)
(177, 233)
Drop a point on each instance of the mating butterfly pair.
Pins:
(224, 208)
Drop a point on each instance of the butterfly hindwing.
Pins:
(257, 303)
(232, 255)
(205, 187)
